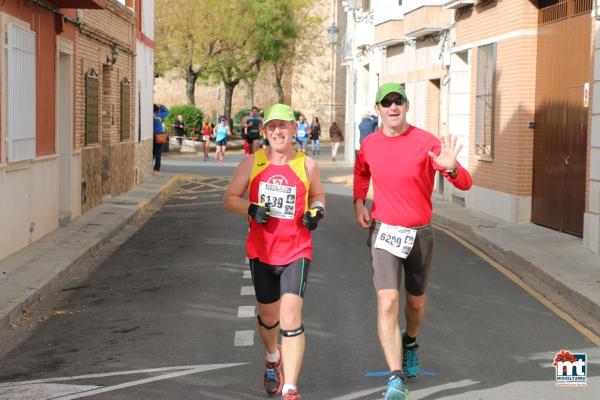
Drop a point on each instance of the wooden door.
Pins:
(575, 139)
(560, 138)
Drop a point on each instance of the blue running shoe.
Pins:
(396, 389)
(410, 360)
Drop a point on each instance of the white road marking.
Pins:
(247, 275)
(117, 373)
(8, 389)
(422, 393)
(246, 311)
(414, 395)
(247, 291)
(520, 390)
(243, 338)
(246, 260)
(42, 391)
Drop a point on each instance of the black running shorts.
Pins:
(386, 266)
(272, 281)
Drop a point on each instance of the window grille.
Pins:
(485, 101)
(125, 110)
(91, 107)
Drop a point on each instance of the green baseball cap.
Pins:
(279, 111)
(388, 88)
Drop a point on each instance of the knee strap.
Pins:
(292, 332)
(262, 324)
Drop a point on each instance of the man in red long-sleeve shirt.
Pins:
(402, 160)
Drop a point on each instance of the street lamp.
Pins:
(332, 34)
(332, 38)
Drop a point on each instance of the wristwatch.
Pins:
(452, 171)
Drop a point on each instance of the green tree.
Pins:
(295, 47)
(265, 31)
(187, 38)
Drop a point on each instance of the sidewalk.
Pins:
(541, 257)
(44, 266)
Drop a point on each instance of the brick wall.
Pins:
(494, 18)
(101, 29)
(113, 24)
(512, 165)
(143, 160)
(91, 191)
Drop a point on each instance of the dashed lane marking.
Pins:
(243, 338)
(246, 311)
(247, 275)
(247, 291)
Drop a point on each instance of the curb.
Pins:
(520, 266)
(32, 295)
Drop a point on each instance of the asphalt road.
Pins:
(169, 315)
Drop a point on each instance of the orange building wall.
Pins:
(512, 24)
(42, 22)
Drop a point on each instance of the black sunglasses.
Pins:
(397, 101)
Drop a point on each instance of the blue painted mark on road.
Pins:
(382, 373)
(431, 374)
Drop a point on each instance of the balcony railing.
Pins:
(582, 6)
(565, 9)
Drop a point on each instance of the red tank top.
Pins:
(283, 238)
(206, 129)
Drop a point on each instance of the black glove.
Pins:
(312, 217)
(260, 212)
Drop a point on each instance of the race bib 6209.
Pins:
(397, 240)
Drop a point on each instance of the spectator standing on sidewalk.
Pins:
(159, 137)
(302, 133)
(336, 136)
(315, 133)
(402, 161)
(178, 129)
(285, 202)
(367, 125)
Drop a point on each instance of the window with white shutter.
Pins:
(21, 107)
